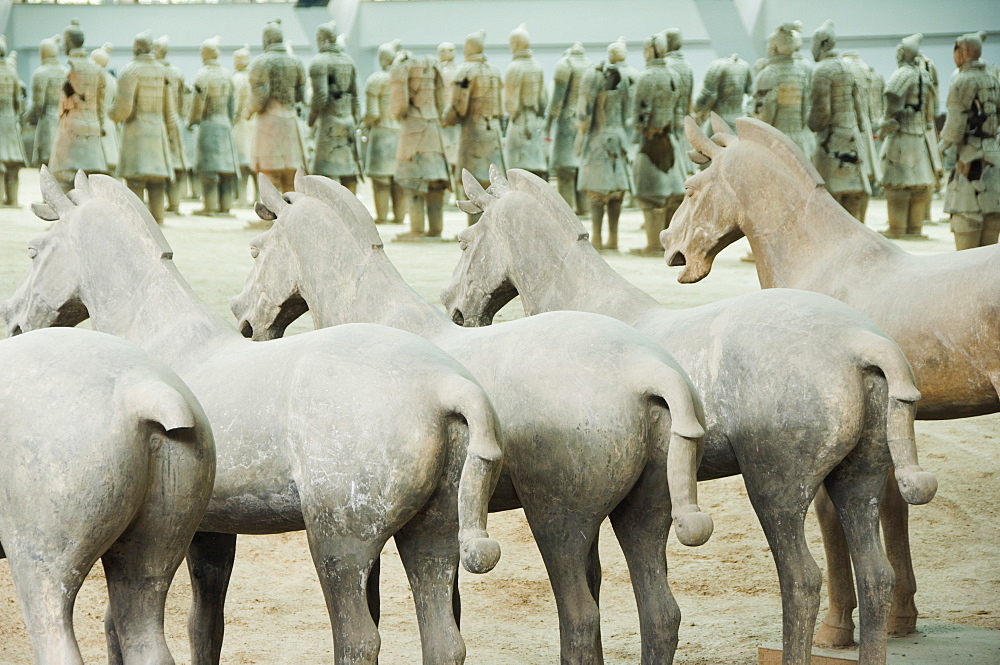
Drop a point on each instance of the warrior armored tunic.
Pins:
(972, 126)
(657, 172)
(81, 119)
(416, 101)
(835, 114)
(477, 107)
(781, 98)
(561, 114)
(382, 128)
(11, 148)
(336, 108)
(682, 104)
(46, 93)
(175, 88)
(277, 84)
(525, 101)
(726, 81)
(213, 109)
(146, 110)
(905, 156)
(602, 108)
(243, 127)
(109, 138)
(449, 134)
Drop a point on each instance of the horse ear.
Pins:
(52, 193)
(498, 183)
(270, 196)
(468, 207)
(44, 211)
(697, 157)
(477, 195)
(698, 140)
(263, 212)
(720, 126)
(299, 182)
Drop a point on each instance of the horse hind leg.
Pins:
(641, 522)
(210, 560)
(895, 516)
(837, 627)
(427, 549)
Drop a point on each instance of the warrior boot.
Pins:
(854, 203)
(614, 212)
(174, 193)
(380, 192)
(156, 190)
(351, 183)
(967, 239)
(227, 184)
(991, 229)
(897, 201)
(596, 221)
(210, 194)
(398, 201)
(920, 199)
(435, 212)
(415, 209)
(10, 183)
(673, 203)
(653, 224)
(566, 180)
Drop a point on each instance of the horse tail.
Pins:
(670, 387)
(915, 485)
(483, 462)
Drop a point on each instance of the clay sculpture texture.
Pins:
(337, 461)
(447, 67)
(109, 137)
(11, 148)
(382, 131)
(560, 123)
(623, 443)
(781, 87)
(124, 474)
(46, 92)
(938, 308)
(524, 101)
(685, 89)
(244, 127)
(737, 353)
(175, 91)
(727, 82)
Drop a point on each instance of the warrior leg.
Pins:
(653, 224)
(380, 192)
(673, 203)
(398, 201)
(138, 187)
(920, 198)
(991, 229)
(566, 180)
(897, 201)
(287, 180)
(156, 190)
(210, 194)
(614, 212)
(350, 182)
(415, 207)
(227, 184)
(10, 184)
(435, 210)
(174, 193)
(596, 218)
(862, 207)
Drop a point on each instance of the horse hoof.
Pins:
(693, 529)
(902, 626)
(833, 637)
(480, 555)
(917, 487)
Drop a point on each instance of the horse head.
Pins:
(759, 166)
(517, 210)
(274, 294)
(55, 290)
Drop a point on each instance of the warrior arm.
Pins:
(765, 104)
(101, 111)
(957, 120)
(355, 101)
(169, 112)
(197, 104)
(125, 98)
(37, 99)
(709, 94)
(820, 97)
(300, 83)
(373, 110)
(260, 89)
(512, 93)
(399, 90)
(560, 87)
(320, 90)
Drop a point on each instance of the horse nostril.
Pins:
(246, 329)
(677, 260)
(458, 317)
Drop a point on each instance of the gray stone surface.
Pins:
(106, 454)
(774, 352)
(340, 460)
(572, 456)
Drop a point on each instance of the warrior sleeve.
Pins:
(320, 89)
(585, 102)
(560, 86)
(705, 102)
(460, 89)
(355, 101)
(959, 101)
(37, 99)
(197, 103)
(512, 92)
(169, 112)
(399, 93)
(300, 85)
(125, 98)
(438, 92)
(372, 109)
(260, 88)
(765, 98)
(819, 112)
(101, 111)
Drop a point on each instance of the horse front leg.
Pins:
(210, 561)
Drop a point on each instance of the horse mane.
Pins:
(782, 147)
(101, 187)
(346, 204)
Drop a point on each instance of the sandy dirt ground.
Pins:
(727, 589)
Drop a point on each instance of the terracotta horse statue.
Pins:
(355, 434)
(941, 309)
(801, 392)
(598, 420)
(123, 474)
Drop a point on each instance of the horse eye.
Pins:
(32, 252)
(463, 245)
(689, 191)
(254, 251)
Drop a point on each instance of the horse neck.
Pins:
(561, 272)
(800, 235)
(370, 290)
(148, 302)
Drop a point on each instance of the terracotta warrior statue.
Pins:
(836, 115)
(175, 88)
(972, 125)
(564, 161)
(11, 148)
(869, 84)
(109, 137)
(277, 85)
(657, 172)
(213, 108)
(602, 110)
(726, 82)
(781, 88)
(382, 130)
(81, 115)
(46, 91)
(336, 109)
(524, 101)
(907, 164)
(682, 100)
(243, 126)
(476, 106)
(145, 107)
(416, 99)
(448, 68)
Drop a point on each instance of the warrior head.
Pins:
(102, 54)
(655, 47)
(326, 35)
(908, 48)
(273, 33)
(210, 49)
(575, 50)
(824, 39)
(446, 51)
(161, 45)
(387, 53)
(72, 36)
(241, 58)
(617, 51)
(48, 48)
(143, 44)
(786, 39)
(969, 47)
(3, 46)
(674, 39)
(474, 43)
(520, 40)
